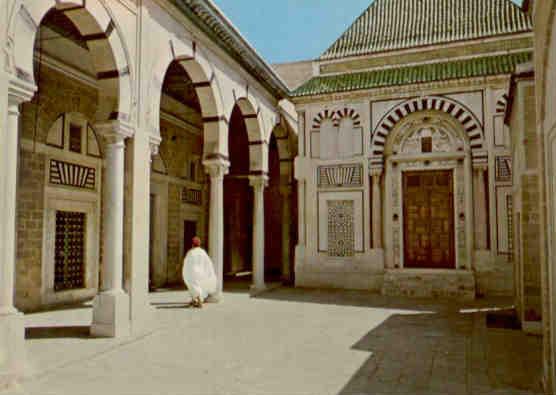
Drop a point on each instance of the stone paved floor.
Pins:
(287, 341)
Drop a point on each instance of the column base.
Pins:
(111, 315)
(12, 344)
(255, 290)
(144, 322)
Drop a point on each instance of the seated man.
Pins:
(198, 274)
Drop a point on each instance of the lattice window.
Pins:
(75, 138)
(510, 223)
(69, 253)
(192, 196)
(426, 144)
(341, 235)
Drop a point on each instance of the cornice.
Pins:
(212, 22)
(400, 91)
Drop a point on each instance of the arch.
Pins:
(258, 144)
(58, 135)
(446, 133)
(205, 83)
(349, 113)
(323, 116)
(99, 30)
(501, 104)
(464, 117)
(285, 140)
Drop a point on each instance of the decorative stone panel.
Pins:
(341, 237)
(340, 176)
(71, 174)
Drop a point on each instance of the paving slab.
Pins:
(287, 341)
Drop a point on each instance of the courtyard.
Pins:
(287, 341)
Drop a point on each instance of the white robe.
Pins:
(198, 274)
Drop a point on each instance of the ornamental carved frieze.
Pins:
(339, 176)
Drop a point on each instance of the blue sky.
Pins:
(290, 30)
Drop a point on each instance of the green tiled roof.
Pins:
(476, 67)
(397, 24)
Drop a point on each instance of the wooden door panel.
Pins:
(428, 219)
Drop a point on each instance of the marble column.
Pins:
(376, 210)
(111, 306)
(286, 192)
(258, 183)
(12, 331)
(481, 212)
(217, 169)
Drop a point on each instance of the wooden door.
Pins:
(428, 219)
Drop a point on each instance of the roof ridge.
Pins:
(387, 25)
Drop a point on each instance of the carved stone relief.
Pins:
(341, 236)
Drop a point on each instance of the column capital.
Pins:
(259, 180)
(20, 91)
(114, 132)
(154, 144)
(217, 167)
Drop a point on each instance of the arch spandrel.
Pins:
(98, 28)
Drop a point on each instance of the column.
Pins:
(481, 235)
(258, 183)
(139, 153)
(217, 169)
(12, 330)
(111, 307)
(299, 174)
(286, 192)
(376, 210)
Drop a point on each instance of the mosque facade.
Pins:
(415, 157)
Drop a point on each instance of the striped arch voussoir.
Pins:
(467, 120)
(349, 113)
(501, 104)
(336, 117)
(324, 115)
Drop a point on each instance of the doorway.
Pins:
(428, 219)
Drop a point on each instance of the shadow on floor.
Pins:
(447, 353)
(358, 298)
(57, 332)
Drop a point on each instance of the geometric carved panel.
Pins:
(341, 236)
(69, 255)
(504, 168)
(64, 173)
(340, 176)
